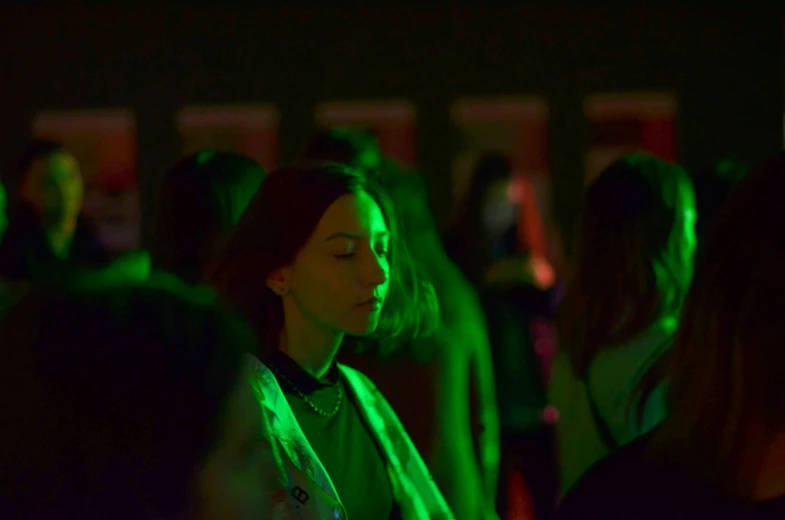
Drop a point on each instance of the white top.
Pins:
(613, 375)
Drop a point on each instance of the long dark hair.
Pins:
(712, 186)
(277, 224)
(726, 370)
(112, 397)
(631, 266)
(202, 198)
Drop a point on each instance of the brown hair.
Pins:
(727, 359)
(630, 268)
(276, 225)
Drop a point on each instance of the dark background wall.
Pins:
(725, 67)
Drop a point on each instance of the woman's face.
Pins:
(54, 187)
(339, 279)
(498, 209)
(232, 484)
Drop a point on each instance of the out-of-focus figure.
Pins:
(356, 148)
(516, 293)
(632, 268)
(48, 238)
(202, 198)
(720, 452)
(128, 401)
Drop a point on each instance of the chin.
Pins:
(366, 328)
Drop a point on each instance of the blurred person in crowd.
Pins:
(514, 287)
(633, 266)
(483, 238)
(128, 401)
(452, 366)
(48, 237)
(317, 263)
(353, 147)
(201, 200)
(712, 186)
(720, 452)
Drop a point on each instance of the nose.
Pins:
(375, 272)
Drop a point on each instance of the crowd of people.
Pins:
(307, 343)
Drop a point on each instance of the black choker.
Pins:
(307, 401)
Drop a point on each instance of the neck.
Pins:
(59, 236)
(312, 347)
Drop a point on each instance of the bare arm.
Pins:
(488, 417)
(456, 466)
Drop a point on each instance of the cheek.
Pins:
(384, 289)
(325, 292)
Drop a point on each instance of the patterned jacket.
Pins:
(300, 486)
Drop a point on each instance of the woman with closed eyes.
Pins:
(316, 264)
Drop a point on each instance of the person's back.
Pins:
(609, 382)
(719, 452)
(632, 268)
(627, 487)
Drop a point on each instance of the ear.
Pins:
(276, 281)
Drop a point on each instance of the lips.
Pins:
(373, 302)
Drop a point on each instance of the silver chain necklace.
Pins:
(310, 403)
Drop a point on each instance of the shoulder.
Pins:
(261, 378)
(604, 488)
(255, 364)
(625, 485)
(364, 389)
(355, 376)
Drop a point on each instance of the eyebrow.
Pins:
(356, 236)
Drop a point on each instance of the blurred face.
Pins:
(53, 186)
(339, 280)
(499, 209)
(232, 484)
(369, 159)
